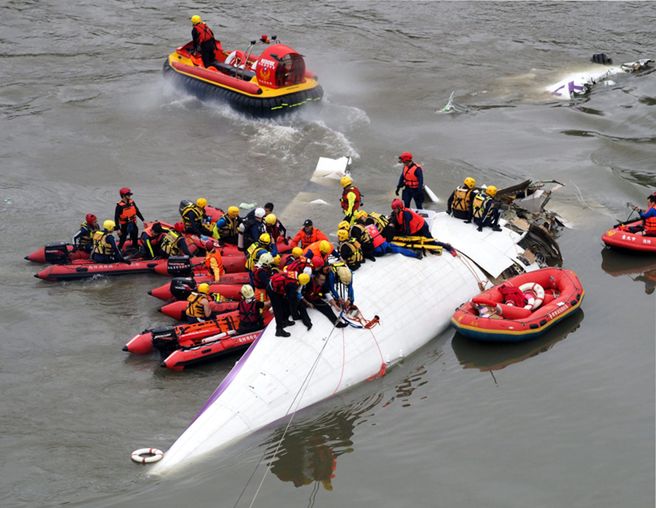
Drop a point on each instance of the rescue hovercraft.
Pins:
(273, 83)
(521, 308)
(621, 237)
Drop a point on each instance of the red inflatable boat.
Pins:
(521, 308)
(620, 238)
(227, 291)
(142, 343)
(85, 268)
(176, 310)
(166, 291)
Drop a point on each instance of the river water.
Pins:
(565, 421)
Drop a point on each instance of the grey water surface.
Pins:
(564, 421)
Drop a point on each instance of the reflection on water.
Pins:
(640, 267)
(489, 357)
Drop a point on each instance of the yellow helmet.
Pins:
(109, 225)
(342, 235)
(195, 19)
(303, 279)
(297, 252)
(324, 247)
(202, 202)
(361, 214)
(204, 288)
(247, 291)
(271, 219)
(233, 211)
(491, 191)
(276, 260)
(265, 239)
(344, 225)
(345, 181)
(470, 182)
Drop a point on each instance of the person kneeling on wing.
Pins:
(317, 295)
(105, 249)
(485, 211)
(460, 201)
(198, 305)
(349, 250)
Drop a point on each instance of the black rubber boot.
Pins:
(280, 332)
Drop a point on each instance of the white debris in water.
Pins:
(318, 202)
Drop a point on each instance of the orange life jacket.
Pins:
(195, 306)
(650, 225)
(128, 211)
(358, 198)
(410, 179)
(219, 261)
(204, 33)
(314, 247)
(416, 222)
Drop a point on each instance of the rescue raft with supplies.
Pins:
(521, 308)
(272, 83)
(619, 237)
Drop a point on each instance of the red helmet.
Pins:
(397, 204)
(90, 218)
(405, 157)
(179, 227)
(317, 262)
(124, 191)
(209, 245)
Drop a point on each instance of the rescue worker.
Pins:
(648, 217)
(257, 249)
(316, 296)
(228, 224)
(349, 250)
(268, 208)
(253, 227)
(379, 220)
(340, 284)
(307, 234)
(195, 220)
(83, 239)
(407, 222)
(358, 233)
(104, 248)
(275, 228)
(297, 262)
(173, 243)
(460, 202)
(411, 180)
(351, 198)
(125, 215)
(204, 41)
(213, 260)
(382, 246)
(150, 243)
(263, 271)
(484, 209)
(198, 305)
(250, 311)
(284, 291)
(321, 249)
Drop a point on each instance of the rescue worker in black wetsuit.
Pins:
(349, 250)
(173, 242)
(125, 215)
(227, 226)
(150, 243)
(411, 181)
(195, 220)
(83, 239)
(460, 201)
(105, 249)
(485, 211)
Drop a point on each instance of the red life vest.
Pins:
(204, 33)
(650, 225)
(512, 295)
(298, 265)
(281, 280)
(248, 311)
(128, 211)
(377, 239)
(358, 198)
(261, 276)
(410, 179)
(416, 222)
(219, 261)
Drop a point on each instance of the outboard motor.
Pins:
(179, 266)
(57, 254)
(165, 340)
(181, 287)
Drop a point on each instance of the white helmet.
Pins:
(307, 270)
(247, 291)
(259, 213)
(265, 259)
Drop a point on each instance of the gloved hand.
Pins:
(396, 192)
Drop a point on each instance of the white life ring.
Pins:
(147, 455)
(534, 294)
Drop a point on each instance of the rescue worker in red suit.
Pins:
(412, 181)
(307, 235)
(250, 311)
(125, 215)
(408, 222)
(204, 41)
(316, 297)
(284, 291)
(648, 217)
